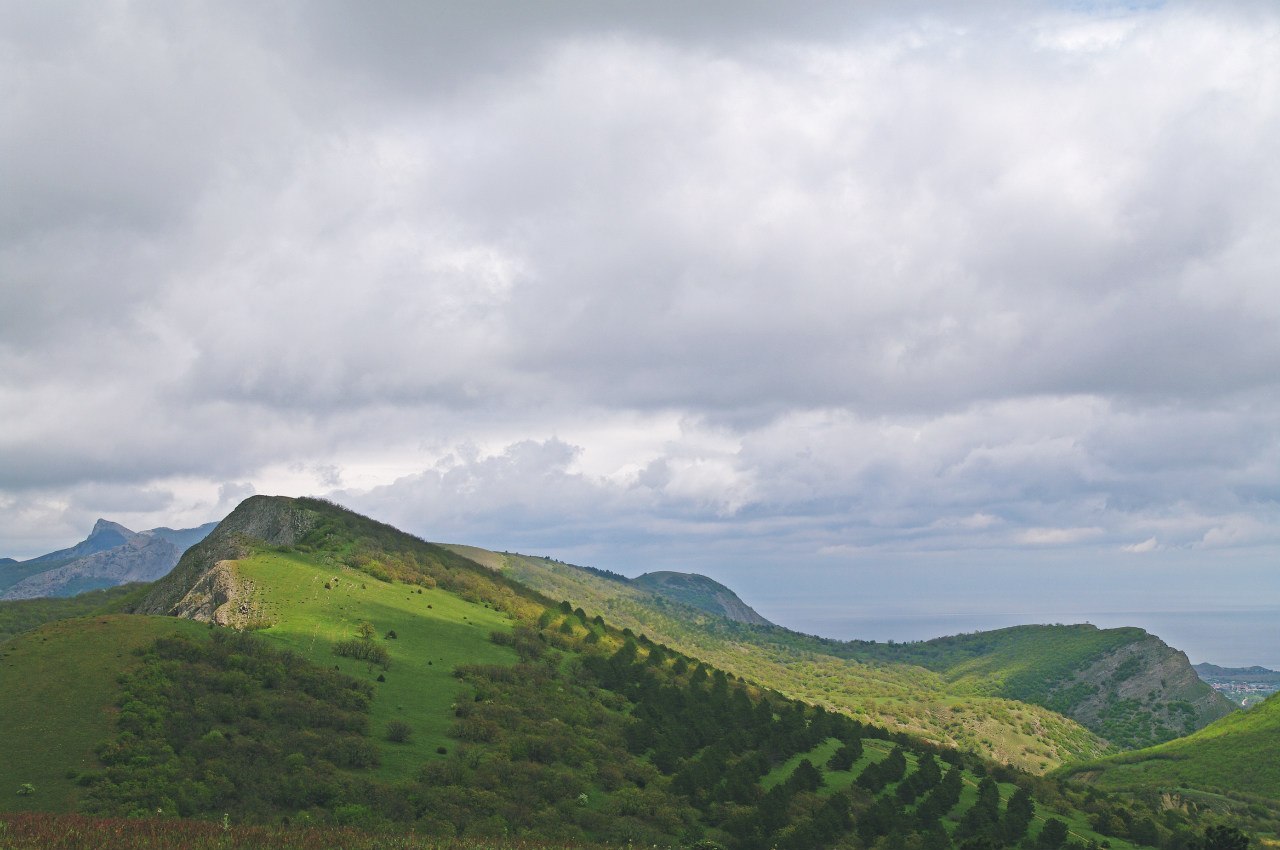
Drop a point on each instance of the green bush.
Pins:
(363, 650)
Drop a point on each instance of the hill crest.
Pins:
(204, 584)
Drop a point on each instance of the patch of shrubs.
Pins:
(229, 724)
(363, 650)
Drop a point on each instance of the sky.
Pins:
(909, 308)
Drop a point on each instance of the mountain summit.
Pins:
(700, 592)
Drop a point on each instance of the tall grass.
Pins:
(44, 831)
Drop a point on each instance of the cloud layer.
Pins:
(718, 288)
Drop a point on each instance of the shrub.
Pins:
(363, 651)
(399, 732)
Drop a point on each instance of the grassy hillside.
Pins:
(59, 694)
(17, 616)
(310, 607)
(1239, 753)
(1123, 683)
(987, 692)
(899, 695)
(520, 716)
(699, 592)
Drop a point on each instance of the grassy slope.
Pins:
(435, 632)
(1017, 661)
(902, 696)
(20, 615)
(305, 617)
(57, 691)
(1124, 684)
(1240, 752)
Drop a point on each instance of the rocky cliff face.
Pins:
(205, 584)
(1144, 691)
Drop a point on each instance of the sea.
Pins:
(1240, 637)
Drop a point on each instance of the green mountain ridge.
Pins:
(1035, 696)
(1127, 685)
(702, 593)
(375, 680)
(690, 589)
(1212, 672)
(1237, 754)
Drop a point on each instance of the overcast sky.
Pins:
(967, 304)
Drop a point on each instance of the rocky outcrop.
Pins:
(220, 596)
(1145, 690)
(205, 584)
(105, 535)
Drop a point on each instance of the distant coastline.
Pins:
(1235, 638)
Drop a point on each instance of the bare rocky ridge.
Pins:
(220, 596)
(105, 535)
(205, 584)
(1151, 673)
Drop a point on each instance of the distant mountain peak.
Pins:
(110, 555)
(106, 526)
(700, 592)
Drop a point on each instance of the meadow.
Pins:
(308, 606)
(45, 831)
(60, 686)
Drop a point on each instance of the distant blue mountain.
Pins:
(110, 555)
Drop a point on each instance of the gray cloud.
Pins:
(716, 287)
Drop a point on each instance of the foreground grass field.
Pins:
(60, 692)
(312, 606)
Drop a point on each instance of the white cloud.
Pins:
(1057, 536)
(899, 282)
(1148, 545)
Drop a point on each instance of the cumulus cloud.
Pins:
(704, 285)
(1148, 545)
